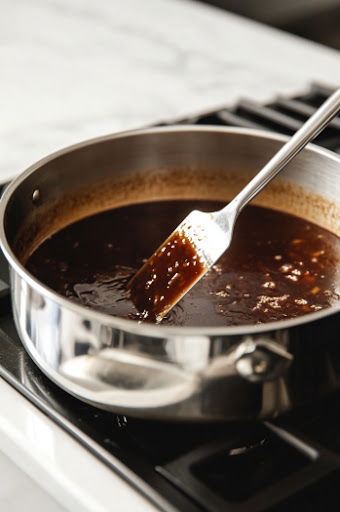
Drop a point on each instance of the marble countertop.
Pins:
(75, 69)
(30, 497)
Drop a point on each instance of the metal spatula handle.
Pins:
(305, 134)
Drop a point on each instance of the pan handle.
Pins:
(255, 360)
(261, 360)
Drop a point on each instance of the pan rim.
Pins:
(152, 330)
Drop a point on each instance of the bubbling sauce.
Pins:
(277, 267)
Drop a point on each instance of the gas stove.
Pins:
(291, 463)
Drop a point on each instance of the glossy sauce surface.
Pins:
(277, 267)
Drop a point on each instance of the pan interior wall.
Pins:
(168, 183)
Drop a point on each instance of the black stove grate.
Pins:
(290, 464)
(284, 115)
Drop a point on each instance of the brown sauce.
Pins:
(277, 267)
(172, 269)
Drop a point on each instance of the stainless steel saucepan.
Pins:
(155, 371)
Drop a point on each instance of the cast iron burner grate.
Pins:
(284, 115)
(290, 464)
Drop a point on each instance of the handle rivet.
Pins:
(36, 195)
(261, 366)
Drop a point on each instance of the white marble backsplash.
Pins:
(75, 69)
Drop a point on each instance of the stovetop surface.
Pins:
(292, 463)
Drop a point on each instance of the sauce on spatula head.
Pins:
(159, 284)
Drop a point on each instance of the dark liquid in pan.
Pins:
(277, 267)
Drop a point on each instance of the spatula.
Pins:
(201, 238)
